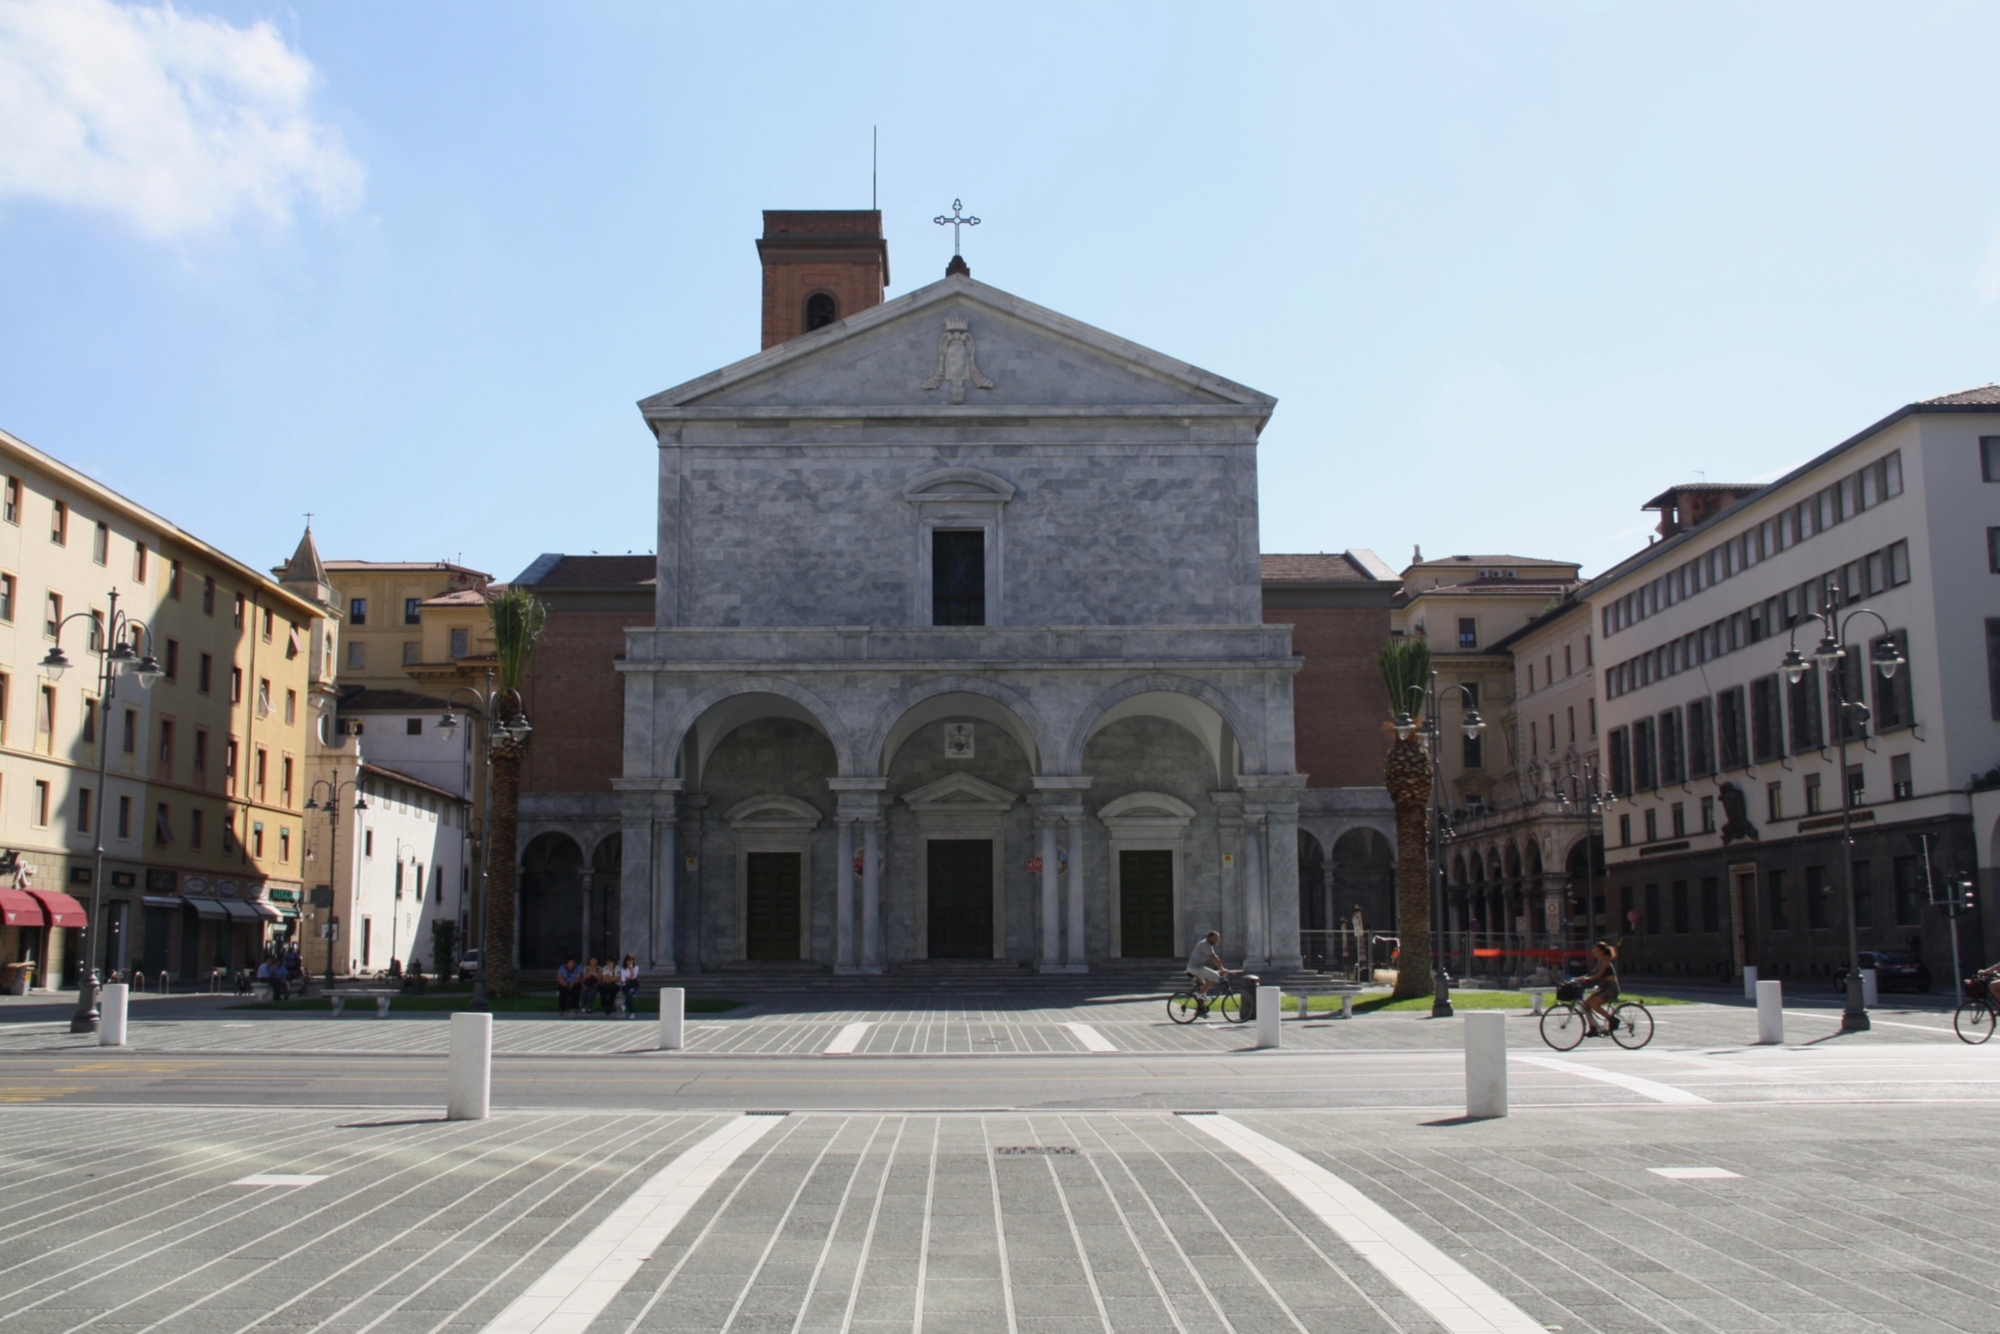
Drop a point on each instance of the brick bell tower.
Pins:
(820, 265)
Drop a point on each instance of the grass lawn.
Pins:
(440, 1000)
(1460, 1000)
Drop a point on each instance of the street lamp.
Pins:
(1831, 653)
(333, 787)
(512, 728)
(1405, 727)
(111, 640)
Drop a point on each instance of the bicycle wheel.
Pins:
(1183, 1007)
(1633, 1025)
(1974, 1022)
(1563, 1027)
(1231, 1007)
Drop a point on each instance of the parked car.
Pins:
(1894, 971)
(468, 965)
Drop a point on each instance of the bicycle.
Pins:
(1184, 1007)
(1566, 1024)
(1977, 1015)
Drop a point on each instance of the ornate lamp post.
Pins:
(1853, 715)
(333, 787)
(1587, 793)
(1471, 725)
(497, 731)
(111, 640)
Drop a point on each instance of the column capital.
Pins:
(647, 784)
(1053, 807)
(1061, 783)
(858, 783)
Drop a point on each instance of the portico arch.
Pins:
(1192, 705)
(552, 901)
(959, 697)
(714, 714)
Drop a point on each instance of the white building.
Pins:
(1727, 851)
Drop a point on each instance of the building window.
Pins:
(1804, 702)
(236, 611)
(12, 512)
(200, 756)
(207, 596)
(1475, 751)
(1591, 705)
(821, 310)
(1901, 788)
(124, 817)
(83, 795)
(411, 613)
(41, 811)
(1774, 801)
(1672, 769)
(59, 524)
(130, 737)
(1644, 772)
(163, 824)
(1894, 707)
(413, 653)
(52, 616)
(1700, 751)
(285, 781)
(257, 838)
(235, 685)
(1813, 804)
(1652, 825)
(1468, 632)
(413, 727)
(139, 562)
(100, 544)
(174, 580)
(461, 644)
(1678, 814)
(1625, 831)
(357, 654)
(958, 576)
(1857, 785)
(357, 611)
(229, 767)
(7, 598)
(260, 772)
(167, 747)
(291, 707)
(1989, 458)
(205, 676)
(263, 696)
(5, 682)
(368, 842)
(1708, 815)
(194, 827)
(265, 632)
(228, 832)
(1621, 762)
(1766, 721)
(45, 711)
(1775, 888)
(284, 845)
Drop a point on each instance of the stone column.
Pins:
(871, 895)
(1281, 878)
(690, 949)
(666, 876)
(646, 814)
(1251, 877)
(1230, 841)
(843, 896)
(1075, 957)
(1058, 801)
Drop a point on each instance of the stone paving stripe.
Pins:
(1696, 1173)
(1091, 1039)
(1453, 1295)
(849, 1038)
(277, 1179)
(1645, 1088)
(581, 1284)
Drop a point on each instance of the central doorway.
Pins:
(771, 931)
(1146, 904)
(960, 899)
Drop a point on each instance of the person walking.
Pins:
(628, 984)
(569, 987)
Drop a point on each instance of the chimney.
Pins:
(820, 265)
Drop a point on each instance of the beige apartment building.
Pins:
(205, 775)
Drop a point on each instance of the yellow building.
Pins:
(199, 808)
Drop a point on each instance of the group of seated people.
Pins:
(597, 986)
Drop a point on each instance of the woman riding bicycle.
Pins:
(1602, 980)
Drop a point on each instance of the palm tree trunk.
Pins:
(502, 859)
(1413, 900)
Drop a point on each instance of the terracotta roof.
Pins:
(465, 597)
(406, 565)
(1984, 396)
(558, 571)
(1324, 568)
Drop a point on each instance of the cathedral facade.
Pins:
(958, 647)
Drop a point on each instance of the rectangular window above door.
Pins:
(958, 576)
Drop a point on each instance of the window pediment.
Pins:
(959, 485)
(771, 813)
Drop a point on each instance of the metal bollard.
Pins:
(1770, 1014)
(1749, 981)
(1485, 1064)
(336, 1004)
(111, 1003)
(673, 1018)
(470, 1097)
(1871, 995)
(381, 1007)
(1270, 1011)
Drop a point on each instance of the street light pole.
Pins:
(1831, 653)
(333, 786)
(114, 651)
(517, 731)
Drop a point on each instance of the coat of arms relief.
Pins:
(956, 364)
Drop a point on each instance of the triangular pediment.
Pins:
(960, 792)
(961, 347)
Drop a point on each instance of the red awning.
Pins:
(61, 908)
(18, 909)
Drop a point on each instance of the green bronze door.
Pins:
(771, 926)
(960, 900)
(1146, 905)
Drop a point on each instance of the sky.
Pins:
(1510, 269)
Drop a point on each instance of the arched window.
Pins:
(820, 311)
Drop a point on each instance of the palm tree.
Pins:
(517, 624)
(1406, 671)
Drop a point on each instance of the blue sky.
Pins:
(1510, 269)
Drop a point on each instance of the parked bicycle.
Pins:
(1566, 1023)
(1225, 998)
(1977, 1014)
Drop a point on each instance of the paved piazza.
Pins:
(1019, 1166)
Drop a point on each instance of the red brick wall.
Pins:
(1338, 706)
(576, 702)
(855, 287)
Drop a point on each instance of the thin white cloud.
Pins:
(172, 122)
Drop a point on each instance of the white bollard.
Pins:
(111, 1003)
(1749, 981)
(1347, 1006)
(1485, 1064)
(381, 1007)
(1770, 1014)
(1270, 1010)
(1871, 996)
(336, 1004)
(1535, 995)
(471, 1093)
(673, 1018)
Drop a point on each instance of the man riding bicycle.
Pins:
(1205, 964)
